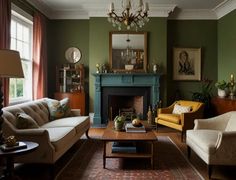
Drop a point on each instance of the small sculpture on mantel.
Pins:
(98, 68)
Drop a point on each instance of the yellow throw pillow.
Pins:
(24, 121)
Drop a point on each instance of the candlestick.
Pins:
(231, 77)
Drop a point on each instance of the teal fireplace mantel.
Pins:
(150, 80)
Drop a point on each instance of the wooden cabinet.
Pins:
(70, 78)
(223, 105)
(77, 100)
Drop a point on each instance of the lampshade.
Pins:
(10, 64)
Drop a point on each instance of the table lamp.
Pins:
(10, 66)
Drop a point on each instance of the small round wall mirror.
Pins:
(73, 55)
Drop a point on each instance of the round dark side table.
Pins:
(9, 155)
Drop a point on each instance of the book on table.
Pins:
(124, 147)
(19, 145)
(130, 128)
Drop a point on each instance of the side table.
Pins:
(9, 155)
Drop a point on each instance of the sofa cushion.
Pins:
(59, 136)
(58, 109)
(178, 109)
(24, 121)
(231, 125)
(205, 139)
(174, 118)
(77, 122)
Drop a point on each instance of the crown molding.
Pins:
(224, 8)
(171, 11)
(193, 14)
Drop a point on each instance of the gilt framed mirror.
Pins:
(128, 51)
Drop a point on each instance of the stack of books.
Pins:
(130, 128)
(17, 146)
(124, 147)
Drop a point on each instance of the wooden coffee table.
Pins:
(111, 135)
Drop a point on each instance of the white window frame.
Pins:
(25, 19)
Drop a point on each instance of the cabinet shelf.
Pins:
(70, 79)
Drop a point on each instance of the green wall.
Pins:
(63, 34)
(192, 34)
(227, 46)
(99, 30)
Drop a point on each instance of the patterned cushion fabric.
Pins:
(58, 109)
(24, 121)
(178, 109)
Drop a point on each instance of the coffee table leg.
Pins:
(104, 154)
(152, 155)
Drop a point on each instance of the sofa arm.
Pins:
(187, 119)
(75, 112)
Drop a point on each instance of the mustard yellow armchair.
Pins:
(180, 115)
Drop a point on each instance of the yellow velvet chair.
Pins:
(182, 118)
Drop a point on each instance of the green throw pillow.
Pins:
(24, 121)
(58, 109)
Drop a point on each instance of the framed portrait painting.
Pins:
(187, 64)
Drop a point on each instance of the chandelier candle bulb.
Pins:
(111, 7)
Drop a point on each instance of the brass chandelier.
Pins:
(130, 17)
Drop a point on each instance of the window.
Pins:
(21, 40)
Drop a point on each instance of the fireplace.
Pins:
(132, 90)
(127, 100)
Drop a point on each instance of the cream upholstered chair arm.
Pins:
(215, 123)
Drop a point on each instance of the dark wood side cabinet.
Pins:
(223, 105)
(77, 100)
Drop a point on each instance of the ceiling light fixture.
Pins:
(131, 19)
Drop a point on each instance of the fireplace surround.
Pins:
(123, 84)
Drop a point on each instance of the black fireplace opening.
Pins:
(129, 101)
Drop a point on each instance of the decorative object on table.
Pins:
(149, 115)
(131, 17)
(119, 122)
(155, 67)
(137, 122)
(187, 64)
(10, 66)
(222, 87)
(11, 141)
(98, 68)
(231, 86)
(17, 146)
(129, 127)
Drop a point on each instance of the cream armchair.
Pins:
(180, 120)
(214, 140)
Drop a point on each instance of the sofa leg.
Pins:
(189, 152)
(209, 170)
(86, 133)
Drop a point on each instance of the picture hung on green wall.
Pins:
(186, 63)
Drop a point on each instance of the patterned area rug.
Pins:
(87, 163)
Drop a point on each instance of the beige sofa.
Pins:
(54, 137)
(213, 140)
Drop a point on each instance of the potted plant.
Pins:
(119, 122)
(222, 88)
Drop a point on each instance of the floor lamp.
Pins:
(10, 66)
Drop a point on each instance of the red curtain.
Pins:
(39, 56)
(5, 22)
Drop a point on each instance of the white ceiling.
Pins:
(174, 9)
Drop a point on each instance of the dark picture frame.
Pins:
(186, 64)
